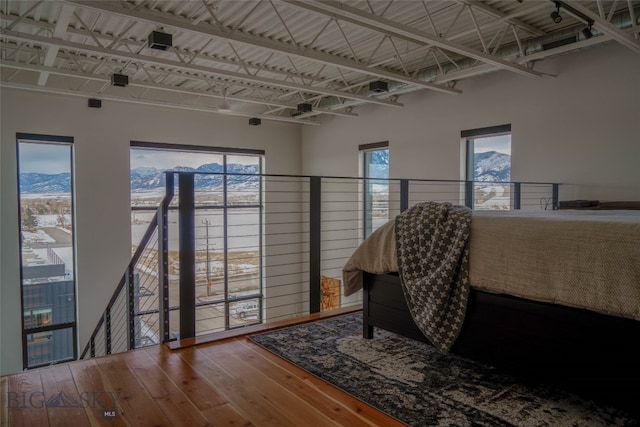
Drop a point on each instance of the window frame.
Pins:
(226, 208)
(22, 138)
(367, 203)
(469, 136)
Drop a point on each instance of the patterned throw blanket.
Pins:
(433, 261)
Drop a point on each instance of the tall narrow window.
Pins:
(228, 234)
(376, 185)
(489, 166)
(47, 249)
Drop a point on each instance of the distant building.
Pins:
(47, 299)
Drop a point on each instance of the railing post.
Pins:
(187, 262)
(131, 308)
(404, 195)
(315, 202)
(468, 194)
(163, 260)
(517, 195)
(92, 346)
(107, 331)
(555, 196)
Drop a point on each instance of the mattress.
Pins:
(578, 258)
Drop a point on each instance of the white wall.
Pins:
(102, 138)
(581, 128)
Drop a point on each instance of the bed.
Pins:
(554, 297)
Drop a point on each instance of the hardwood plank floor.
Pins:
(227, 383)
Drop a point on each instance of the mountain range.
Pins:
(146, 179)
(488, 166)
(42, 183)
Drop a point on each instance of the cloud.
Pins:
(501, 144)
(44, 158)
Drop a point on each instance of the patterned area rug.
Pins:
(416, 384)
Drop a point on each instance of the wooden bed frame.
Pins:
(593, 354)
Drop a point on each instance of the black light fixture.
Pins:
(304, 108)
(255, 121)
(159, 40)
(555, 15)
(121, 80)
(94, 103)
(378, 86)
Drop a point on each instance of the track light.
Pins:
(587, 32)
(255, 121)
(555, 16)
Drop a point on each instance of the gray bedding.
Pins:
(584, 259)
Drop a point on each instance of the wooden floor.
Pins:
(226, 383)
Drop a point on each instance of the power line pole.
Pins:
(206, 222)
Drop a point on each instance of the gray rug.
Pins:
(414, 383)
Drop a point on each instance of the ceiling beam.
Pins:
(147, 85)
(155, 60)
(394, 29)
(605, 26)
(58, 32)
(503, 17)
(131, 100)
(182, 24)
(135, 45)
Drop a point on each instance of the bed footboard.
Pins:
(592, 353)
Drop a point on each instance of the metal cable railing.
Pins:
(233, 250)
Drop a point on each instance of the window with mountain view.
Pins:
(489, 166)
(376, 186)
(228, 235)
(46, 249)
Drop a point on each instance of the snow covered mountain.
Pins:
(145, 179)
(488, 166)
(492, 166)
(42, 183)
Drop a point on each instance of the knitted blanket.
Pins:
(433, 262)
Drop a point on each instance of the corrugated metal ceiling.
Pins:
(265, 57)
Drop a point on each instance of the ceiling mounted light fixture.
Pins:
(555, 15)
(378, 86)
(305, 108)
(120, 80)
(159, 40)
(586, 32)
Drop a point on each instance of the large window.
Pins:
(228, 233)
(47, 249)
(489, 166)
(376, 186)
